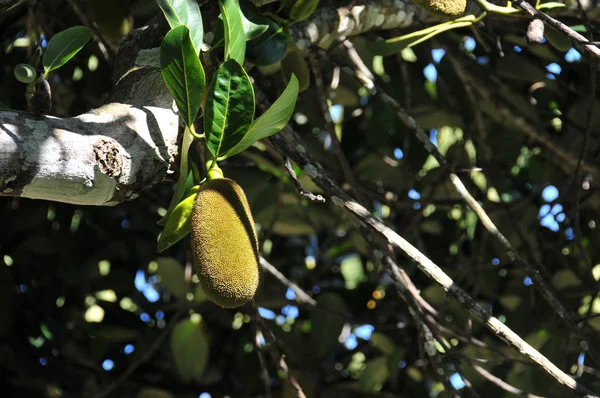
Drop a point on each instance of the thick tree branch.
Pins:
(99, 158)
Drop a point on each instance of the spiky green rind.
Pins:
(443, 8)
(224, 243)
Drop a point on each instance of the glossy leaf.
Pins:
(273, 120)
(253, 20)
(229, 108)
(303, 9)
(190, 348)
(63, 46)
(251, 30)
(270, 47)
(235, 38)
(184, 12)
(178, 223)
(182, 72)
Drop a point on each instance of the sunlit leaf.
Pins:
(229, 108)
(182, 72)
(63, 46)
(178, 223)
(303, 9)
(272, 121)
(184, 12)
(235, 38)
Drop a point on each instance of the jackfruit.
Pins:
(224, 243)
(443, 8)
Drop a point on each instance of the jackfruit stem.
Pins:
(214, 171)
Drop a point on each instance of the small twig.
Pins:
(301, 295)
(308, 195)
(143, 357)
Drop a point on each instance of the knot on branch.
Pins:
(108, 158)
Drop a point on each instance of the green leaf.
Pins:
(303, 9)
(229, 108)
(184, 12)
(178, 223)
(4, 107)
(272, 121)
(183, 175)
(190, 349)
(253, 30)
(25, 73)
(172, 277)
(182, 72)
(269, 47)
(63, 46)
(235, 38)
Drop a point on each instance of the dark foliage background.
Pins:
(85, 297)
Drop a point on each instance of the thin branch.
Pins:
(308, 195)
(301, 295)
(434, 272)
(501, 383)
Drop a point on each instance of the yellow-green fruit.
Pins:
(224, 243)
(443, 8)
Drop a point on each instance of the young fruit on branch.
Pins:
(443, 8)
(224, 243)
